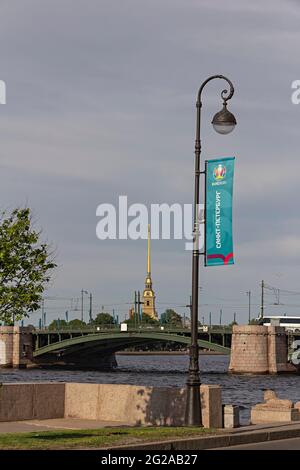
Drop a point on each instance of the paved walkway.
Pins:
(274, 436)
(55, 424)
(282, 444)
(226, 438)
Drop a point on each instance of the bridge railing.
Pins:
(217, 329)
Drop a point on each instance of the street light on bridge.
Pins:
(223, 122)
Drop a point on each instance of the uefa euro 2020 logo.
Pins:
(219, 172)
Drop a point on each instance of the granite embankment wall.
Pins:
(130, 404)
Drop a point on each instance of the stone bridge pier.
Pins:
(258, 349)
(16, 348)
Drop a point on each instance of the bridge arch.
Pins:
(113, 342)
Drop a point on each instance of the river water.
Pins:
(170, 370)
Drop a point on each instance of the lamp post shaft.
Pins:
(193, 405)
(83, 292)
(91, 308)
(249, 306)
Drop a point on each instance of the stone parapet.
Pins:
(231, 416)
(130, 404)
(22, 401)
(139, 405)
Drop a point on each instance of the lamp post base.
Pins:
(193, 405)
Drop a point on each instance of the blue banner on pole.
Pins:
(218, 211)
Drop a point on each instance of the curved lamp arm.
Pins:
(225, 92)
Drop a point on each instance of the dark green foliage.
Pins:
(76, 324)
(58, 324)
(170, 317)
(145, 320)
(104, 319)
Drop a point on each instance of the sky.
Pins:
(101, 103)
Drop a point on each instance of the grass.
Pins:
(95, 438)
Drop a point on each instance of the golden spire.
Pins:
(148, 259)
(149, 295)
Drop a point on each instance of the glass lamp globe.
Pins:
(224, 121)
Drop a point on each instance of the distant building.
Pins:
(148, 294)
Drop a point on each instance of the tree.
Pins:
(104, 319)
(144, 320)
(170, 317)
(76, 324)
(58, 324)
(25, 266)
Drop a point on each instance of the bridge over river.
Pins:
(255, 348)
(96, 346)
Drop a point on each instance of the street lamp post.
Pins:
(249, 306)
(91, 308)
(223, 123)
(82, 292)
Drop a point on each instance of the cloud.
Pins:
(101, 102)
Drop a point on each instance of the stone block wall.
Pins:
(15, 346)
(140, 405)
(22, 401)
(277, 349)
(6, 346)
(257, 349)
(126, 404)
